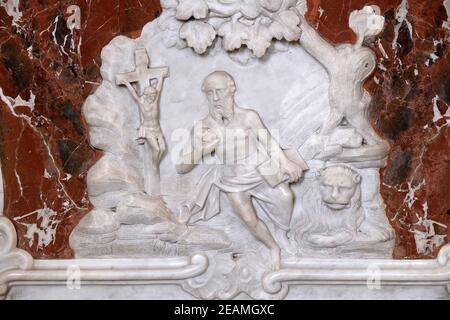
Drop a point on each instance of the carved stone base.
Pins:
(176, 292)
(175, 279)
(379, 250)
(221, 275)
(95, 239)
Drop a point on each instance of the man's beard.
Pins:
(223, 113)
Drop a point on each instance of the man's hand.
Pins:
(291, 169)
(207, 139)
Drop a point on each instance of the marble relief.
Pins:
(235, 151)
(278, 199)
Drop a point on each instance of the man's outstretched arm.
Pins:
(133, 92)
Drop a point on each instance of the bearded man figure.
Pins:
(234, 136)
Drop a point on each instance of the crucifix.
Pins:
(145, 85)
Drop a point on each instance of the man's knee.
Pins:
(286, 197)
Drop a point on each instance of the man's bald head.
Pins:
(219, 88)
(219, 80)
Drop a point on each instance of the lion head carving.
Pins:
(338, 186)
(332, 212)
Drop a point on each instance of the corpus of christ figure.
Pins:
(145, 85)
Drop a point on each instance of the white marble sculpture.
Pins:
(336, 223)
(125, 184)
(147, 94)
(161, 182)
(347, 140)
(232, 134)
(347, 134)
(251, 24)
(297, 175)
(337, 215)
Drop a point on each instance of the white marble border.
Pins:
(362, 272)
(17, 268)
(106, 272)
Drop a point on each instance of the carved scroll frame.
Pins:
(17, 268)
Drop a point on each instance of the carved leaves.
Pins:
(271, 5)
(199, 35)
(258, 37)
(286, 26)
(234, 35)
(171, 28)
(251, 23)
(260, 40)
(187, 9)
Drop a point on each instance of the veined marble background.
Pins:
(47, 70)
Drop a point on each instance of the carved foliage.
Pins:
(250, 23)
